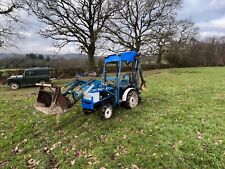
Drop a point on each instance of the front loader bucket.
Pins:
(51, 101)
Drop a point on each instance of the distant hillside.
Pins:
(52, 56)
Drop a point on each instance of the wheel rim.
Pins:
(134, 100)
(14, 86)
(108, 113)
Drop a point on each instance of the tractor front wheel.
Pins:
(107, 111)
(132, 99)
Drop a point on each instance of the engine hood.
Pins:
(16, 77)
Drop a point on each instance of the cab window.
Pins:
(29, 73)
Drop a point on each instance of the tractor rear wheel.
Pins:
(132, 99)
(107, 111)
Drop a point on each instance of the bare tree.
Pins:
(184, 48)
(8, 16)
(172, 31)
(8, 9)
(185, 31)
(131, 27)
(77, 21)
(161, 37)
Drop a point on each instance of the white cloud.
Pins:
(26, 34)
(217, 25)
(209, 16)
(202, 10)
(211, 34)
(32, 41)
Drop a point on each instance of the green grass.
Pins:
(179, 124)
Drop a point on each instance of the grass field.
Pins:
(179, 124)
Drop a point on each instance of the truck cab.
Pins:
(29, 77)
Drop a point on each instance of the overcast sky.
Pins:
(208, 15)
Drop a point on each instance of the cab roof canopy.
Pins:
(124, 57)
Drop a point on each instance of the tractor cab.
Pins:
(122, 71)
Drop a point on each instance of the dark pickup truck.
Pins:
(29, 78)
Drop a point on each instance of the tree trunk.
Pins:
(138, 46)
(159, 59)
(91, 59)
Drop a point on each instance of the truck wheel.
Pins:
(132, 99)
(14, 86)
(107, 111)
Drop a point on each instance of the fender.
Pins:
(124, 98)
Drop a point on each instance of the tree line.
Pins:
(210, 52)
(39, 60)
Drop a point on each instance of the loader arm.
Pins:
(51, 100)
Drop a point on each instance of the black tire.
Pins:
(132, 99)
(87, 111)
(107, 111)
(14, 86)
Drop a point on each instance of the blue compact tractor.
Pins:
(117, 87)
